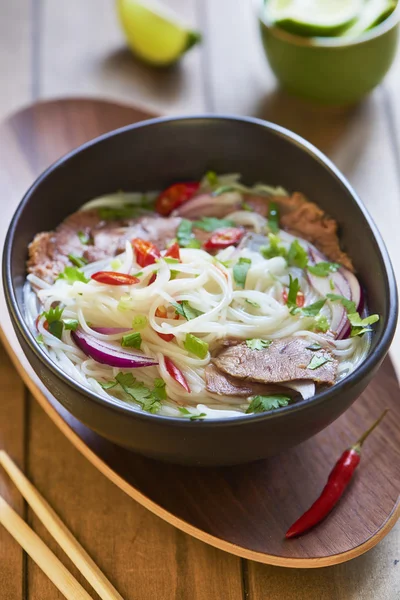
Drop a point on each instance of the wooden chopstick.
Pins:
(41, 554)
(59, 531)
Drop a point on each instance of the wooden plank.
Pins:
(83, 52)
(144, 557)
(357, 139)
(12, 439)
(15, 55)
(373, 576)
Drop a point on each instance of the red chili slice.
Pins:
(175, 195)
(224, 238)
(113, 278)
(176, 374)
(300, 299)
(146, 253)
(162, 313)
(173, 251)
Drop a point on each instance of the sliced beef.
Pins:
(284, 360)
(220, 383)
(305, 219)
(48, 252)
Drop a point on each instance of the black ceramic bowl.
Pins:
(152, 155)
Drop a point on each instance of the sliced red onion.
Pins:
(107, 353)
(111, 330)
(355, 288)
(305, 388)
(209, 205)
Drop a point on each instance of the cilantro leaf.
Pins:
(53, 314)
(71, 324)
(212, 223)
(126, 211)
(260, 404)
(186, 413)
(349, 305)
(107, 385)
(294, 288)
(212, 178)
(139, 392)
(332, 284)
(359, 326)
(185, 236)
(132, 340)
(297, 255)
(314, 347)
(311, 310)
(159, 389)
(56, 328)
(72, 274)
(317, 361)
(240, 271)
(78, 261)
(274, 249)
(323, 268)
(39, 339)
(83, 237)
(187, 311)
(273, 217)
(258, 344)
(321, 324)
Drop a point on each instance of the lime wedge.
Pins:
(313, 17)
(373, 13)
(154, 33)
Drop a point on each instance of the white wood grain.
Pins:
(83, 52)
(15, 55)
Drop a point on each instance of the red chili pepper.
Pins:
(152, 279)
(176, 374)
(175, 195)
(224, 238)
(45, 323)
(146, 253)
(338, 481)
(162, 313)
(173, 251)
(113, 278)
(300, 298)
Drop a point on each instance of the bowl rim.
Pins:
(329, 42)
(373, 358)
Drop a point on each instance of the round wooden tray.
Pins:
(244, 510)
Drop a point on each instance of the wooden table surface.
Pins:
(52, 49)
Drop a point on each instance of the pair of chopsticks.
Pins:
(37, 549)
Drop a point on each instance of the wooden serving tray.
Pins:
(244, 510)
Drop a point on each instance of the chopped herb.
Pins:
(331, 284)
(72, 274)
(139, 322)
(139, 274)
(186, 413)
(258, 344)
(132, 340)
(107, 385)
(294, 288)
(273, 217)
(185, 310)
(170, 260)
(126, 211)
(53, 314)
(125, 303)
(311, 310)
(139, 392)
(159, 389)
(261, 404)
(39, 339)
(349, 305)
(196, 346)
(78, 261)
(71, 324)
(321, 324)
(274, 249)
(56, 328)
(240, 271)
(255, 304)
(314, 346)
(359, 326)
(297, 255)
(185, 236)
(212, 178)
(317, 361)
(116, 264)
(323, 269)
(173, 274)
(246, 206)
(83, 237)
(212, 223)
(225, 263)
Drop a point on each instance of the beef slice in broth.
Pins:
(225, 385)
(286, 359)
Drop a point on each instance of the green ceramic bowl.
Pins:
(331, 70)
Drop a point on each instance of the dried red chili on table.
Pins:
(338, 481)
(175, 195)
(224, 238)
(114, 278)
(146, 253)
